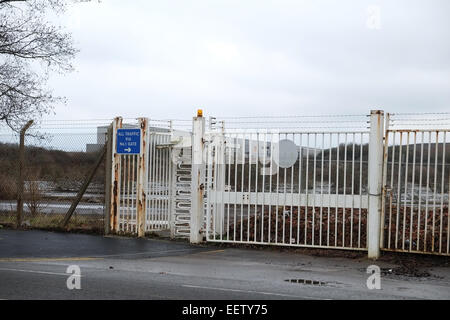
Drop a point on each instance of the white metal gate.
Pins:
(416, 191)
(141, 183)
(159, 191)
(304, 189)
(127, 193)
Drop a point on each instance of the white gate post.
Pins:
(173, 154)
(197, 178)
(375, 177)
(172, 195)
(142, 179)
(218, 214)
(222, 179)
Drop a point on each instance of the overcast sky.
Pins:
(163, 59)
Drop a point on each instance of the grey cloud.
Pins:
(165, 58)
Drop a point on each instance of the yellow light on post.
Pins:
(199, 113)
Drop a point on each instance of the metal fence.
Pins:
(58, 156)
(416, 179)
(333, 182)
(288, 188)
(142, 183)
(347, 182)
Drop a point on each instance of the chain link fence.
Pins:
(58, 156)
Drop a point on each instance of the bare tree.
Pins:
(34, 196)
(31, 48)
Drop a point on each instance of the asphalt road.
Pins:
(33, 265)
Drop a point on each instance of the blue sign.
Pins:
(128, 141)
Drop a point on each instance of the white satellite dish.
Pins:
(285, 153)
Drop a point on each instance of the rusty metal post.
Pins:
(142, 179)
(115, 178)
(20, 181)
(375, 176)
(108, 179)
(197, 179)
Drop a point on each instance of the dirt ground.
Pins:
(406, 264)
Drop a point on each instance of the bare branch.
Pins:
(26, 38)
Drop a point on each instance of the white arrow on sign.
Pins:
(128, 150)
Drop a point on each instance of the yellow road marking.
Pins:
(46, 259)
(213, 251)
(205, 252)
(92, 258)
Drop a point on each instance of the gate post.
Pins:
(108, 178)
(197, 178)
(142, 180)
(375, 177)
(114, 178)
(218, 216)
(172, 184)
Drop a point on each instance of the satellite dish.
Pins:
(285, 153)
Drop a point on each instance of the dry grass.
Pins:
(81, 223)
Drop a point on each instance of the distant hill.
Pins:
(65, 169)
